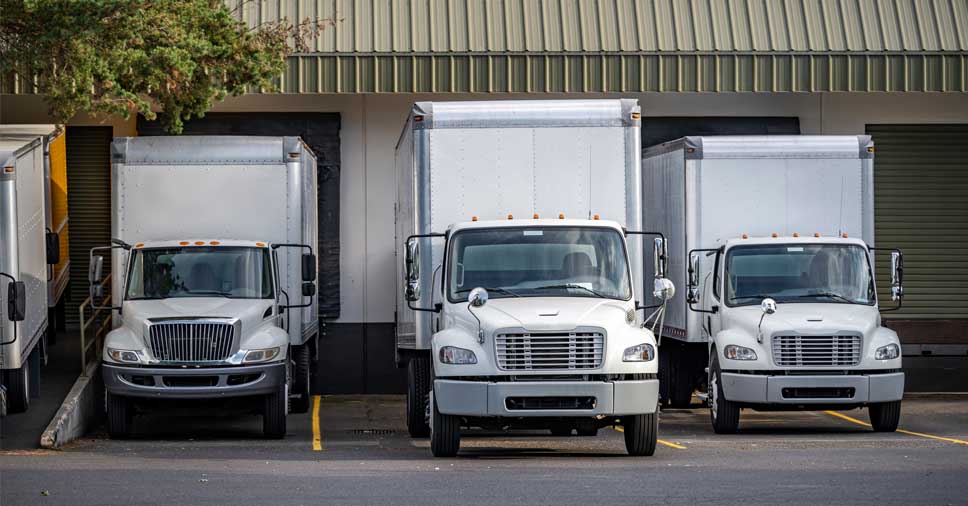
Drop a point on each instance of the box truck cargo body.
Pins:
(23, 267)
(786, 222)
(214, 274)
(524, 203)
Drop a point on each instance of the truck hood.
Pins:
(248, 311)
(808, 319)
(552, 313)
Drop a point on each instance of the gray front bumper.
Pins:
(763, 389)
(478, 398)
(261, 380)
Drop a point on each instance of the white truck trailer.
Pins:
(24, 250)
(518, 290)
(214, 274)
(772, 236)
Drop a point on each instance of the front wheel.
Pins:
(275, 409)
(885, 416)
(723, 413)
(641, 434)
(418, 390)
(444, 433)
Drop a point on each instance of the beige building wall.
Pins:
(371, 124)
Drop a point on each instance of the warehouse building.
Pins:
(894, 69)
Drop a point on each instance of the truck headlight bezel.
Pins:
(262, 355)
(737, 352)
(642, 352)
(125, 356)
(887, 352)
(452, 355)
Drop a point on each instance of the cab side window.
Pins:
(716, 277)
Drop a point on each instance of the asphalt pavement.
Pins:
(356, 451)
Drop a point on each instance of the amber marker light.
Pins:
(816, 234)
(775, 235)
(139, 245)
(844, 236)
(796, 234)
(536, 216)
(184, 243)
(260, 244)
(745, 236)
(561, 216)
(215, 243)
(595, 217)
(510, 217)
(473, 218)
(199, 243)
(9, 170)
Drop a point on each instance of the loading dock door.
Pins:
(920, 183)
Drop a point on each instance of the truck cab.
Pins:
(536, 325)
(794, 323)
(199, 318)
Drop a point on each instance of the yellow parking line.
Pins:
(902, 431)
(670, 444)
(317, 438)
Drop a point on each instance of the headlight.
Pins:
(125, 356)
(639, 353)
(733, 352)
(887, 352)
(455, 355)
(264, 355)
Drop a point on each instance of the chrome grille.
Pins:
(191, 341)
(816, 351)
(559, 350)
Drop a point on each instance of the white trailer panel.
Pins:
(460, 160)
(702, 191)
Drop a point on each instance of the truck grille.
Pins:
(810, 351)
(527, 352)
(191, 342)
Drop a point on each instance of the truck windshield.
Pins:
(539, 262)
(799, 273)
(232, 272)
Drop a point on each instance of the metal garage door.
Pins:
(88, 204)
(920, 187)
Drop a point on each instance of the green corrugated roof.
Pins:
(536, 46)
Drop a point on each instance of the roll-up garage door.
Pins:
(920, 206)
(88, 204)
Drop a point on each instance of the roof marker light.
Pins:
(595, 217)
(260, 244)
(418, 118)
(796, 234)
(816, 234)
(775, 235)
(215, 243)
(636, 115)
(139, 245)
(535, 215)
(745, 236)
(183, 243)
(9, 170)
(199, 243)
(561, 216)
(510, 216)
(844, 236)
(473, 218)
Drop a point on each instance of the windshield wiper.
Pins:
(831, 295)
(757, 296)
(490, 289)
(208, 292)
(572, 285)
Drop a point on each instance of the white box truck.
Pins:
(772, 237)
(25, 248)
(519, 270)
(214, 274)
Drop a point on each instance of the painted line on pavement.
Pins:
(670, 444)
(317, 438)
(902, 431)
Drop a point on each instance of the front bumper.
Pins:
(200, 383)
(478, 398)
(852, 389)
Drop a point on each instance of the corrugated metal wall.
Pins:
(88, 204)
(920, 206)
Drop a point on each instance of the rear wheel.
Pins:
(885, 416)
(641, 433)
(274, 413)
(18, 388)
(723, 413)
(301, 366)
(120, 416)
(444, 434)
(418, 391)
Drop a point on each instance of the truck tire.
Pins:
(120, 416)
(641, 434)
(723, 414)
(274, 414)
(418, 391)
(301, 367)
(885, 416)
(18, 388)
(444, 434)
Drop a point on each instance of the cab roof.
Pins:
(190, 242)
(810, 239)
(540, 222)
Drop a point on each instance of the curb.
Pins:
(76, 413)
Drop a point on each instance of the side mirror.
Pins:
(308, 289)
(16, 301)
(692, 281)
(94, 272)
(897, 275)
(660, 257)
(53, 248)
(412, 261)
(309, 267)
(768, 306)
(664, 289)
(477, 297)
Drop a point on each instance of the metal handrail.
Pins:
(99, 329)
